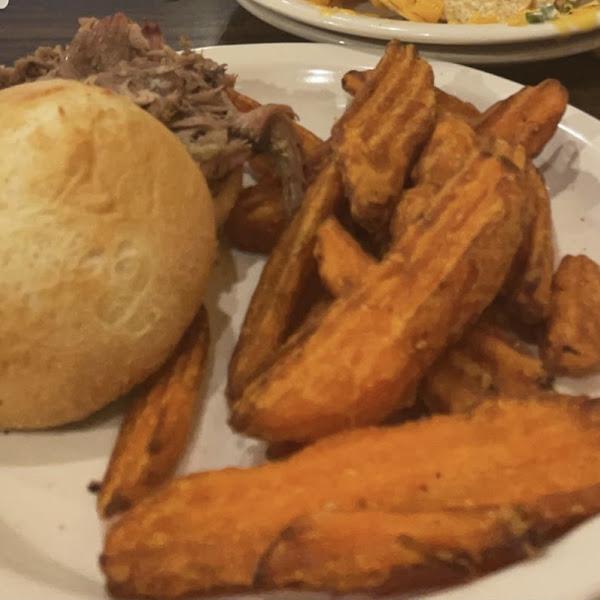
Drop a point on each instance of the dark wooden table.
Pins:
(26, 24)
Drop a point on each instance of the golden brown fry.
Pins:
(155, 430)
(179, 540)
(488, 362)
(527, 290)
(408, 308)
(353, 80)
(383, 552)
(225, 194)
(447, 150)
(444, 155)
(379, 552)
(283, 279)
(258, 218)
(375, 160)
(571, 343)
(529, 117)
(446, 104)
(412, 207)
(342, 263)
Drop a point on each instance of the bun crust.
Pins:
(107, 238)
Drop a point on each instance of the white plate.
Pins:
(49, 534)
(480, 55)
(355, 23)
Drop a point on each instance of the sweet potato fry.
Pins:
(226, 193)
(487, 362)
(529, 117)
(179, 540)
(282, 282)
(450, 144)
(408, 308)
(375, 161)
(382, 552)
(258, 218)
(155, 430)
(527, 291)
(571, 343)
(446, 104)
(353, 80)
(362, 551)
(412, 207)
(342, 263)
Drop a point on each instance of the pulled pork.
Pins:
(186, 91)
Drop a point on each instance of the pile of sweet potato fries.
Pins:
(418, 274)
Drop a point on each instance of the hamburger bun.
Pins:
(107, 237)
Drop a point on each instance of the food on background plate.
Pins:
(185, 91)
(107, 246)
(571, 341)
(157, 425)
(498, 456)
(513, 12)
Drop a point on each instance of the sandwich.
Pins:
(107, 238)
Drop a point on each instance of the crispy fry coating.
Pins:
(435, 282)
(180, 540)
(383, 552)
(155, 430)
(529, 117)
(353, 80)
(361, 551)
(446, 104)
(342, 263)
(528, 288)
(449, 105)
(258, 218)
(412, 207)
(283, 279)
(449, 146)
(487, 362)
(527, 291)
(571, 343)
(226, 193)
(374, 160)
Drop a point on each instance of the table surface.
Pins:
(26, 24)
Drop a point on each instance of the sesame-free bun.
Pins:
(107, 237)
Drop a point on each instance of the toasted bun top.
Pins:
(107, 237)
